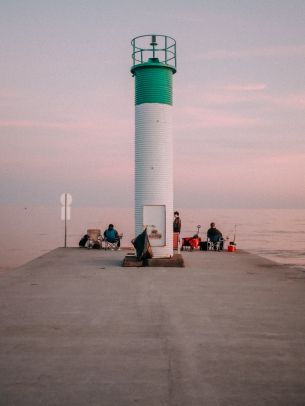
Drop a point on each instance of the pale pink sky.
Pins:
(67, 103)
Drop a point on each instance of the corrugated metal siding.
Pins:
(154, 166)
(153, 85)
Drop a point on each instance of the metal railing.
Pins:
(160, 48)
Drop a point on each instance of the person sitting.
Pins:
(112, 236)
(215, 237)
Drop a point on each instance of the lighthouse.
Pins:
(154, 63)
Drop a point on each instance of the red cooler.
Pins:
(231, 248)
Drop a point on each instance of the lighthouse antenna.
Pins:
(154, 44)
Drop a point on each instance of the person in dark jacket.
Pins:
(177, 222)
(112, 235)
(215, 235)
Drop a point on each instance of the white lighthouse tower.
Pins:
(154, 63)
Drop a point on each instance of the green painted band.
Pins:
(153, 84)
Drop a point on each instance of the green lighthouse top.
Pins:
(154, 51)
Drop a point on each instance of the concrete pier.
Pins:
(78, 329)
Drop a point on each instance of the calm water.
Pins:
(30, 232)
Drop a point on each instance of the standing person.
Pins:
(177, 222)
(215, 236)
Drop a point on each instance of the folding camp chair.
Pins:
(112, 245)
(215, 245)
(95, 238)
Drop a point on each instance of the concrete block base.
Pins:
(131, 260)
(176, 261)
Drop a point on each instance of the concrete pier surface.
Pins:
(78, 329)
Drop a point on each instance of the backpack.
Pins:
(83, 240)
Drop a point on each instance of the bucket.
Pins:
(231, 248)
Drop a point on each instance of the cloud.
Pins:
(10, 95)
(263, 52)
(288, 102)
(256, 93)
(192, 118)
(263, 181)
(247, 87)
(79, 125)
(38, 124)
(224, 94)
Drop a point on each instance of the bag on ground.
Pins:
(83, 240)
(142, 246)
